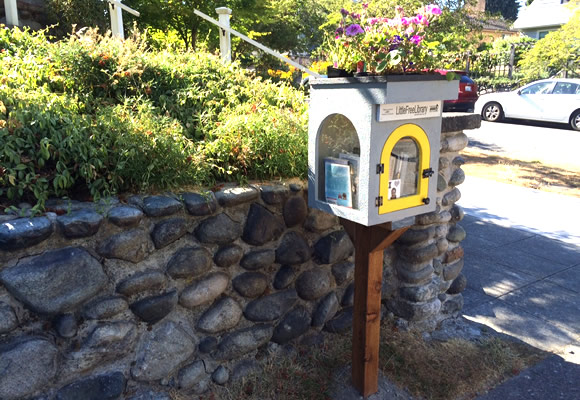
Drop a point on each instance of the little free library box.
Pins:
(373, 145)
(373, 155)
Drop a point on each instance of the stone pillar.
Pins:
(428, 258)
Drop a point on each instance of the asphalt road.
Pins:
(552, 144)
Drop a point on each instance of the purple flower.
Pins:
(415, 39)
(339, 31)
(355, 16)
(353, 30)
(433, 9)
(344, 12)
(365, 5)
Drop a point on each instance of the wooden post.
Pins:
(225, 37)
(370, 243)
(116, 20)
(116, 11)
(11, 12)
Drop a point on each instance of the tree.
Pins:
(557, 51)
(91, 13)
(507, 8)
(177, 15)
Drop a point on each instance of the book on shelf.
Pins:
(354, 162)
(338, 181)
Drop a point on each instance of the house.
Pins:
(492, 28)
(543, 16)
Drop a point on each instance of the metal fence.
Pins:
(499, 71)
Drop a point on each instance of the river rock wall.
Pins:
(181, 292)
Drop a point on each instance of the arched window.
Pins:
(405, 159)
(338, 144)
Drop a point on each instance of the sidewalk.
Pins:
(522, 264)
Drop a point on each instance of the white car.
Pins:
(553, 100)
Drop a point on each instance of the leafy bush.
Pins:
(557, 52)
(258, 142)
(95, 115)
(487, 84)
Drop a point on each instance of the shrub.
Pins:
(259, 142)
(92, 114)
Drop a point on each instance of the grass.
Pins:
(455, 369)
(535, 174)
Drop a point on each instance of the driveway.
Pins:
(551, 144)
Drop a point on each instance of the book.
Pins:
(353, 161)
(337, 181)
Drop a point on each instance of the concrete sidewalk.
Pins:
(522, 264)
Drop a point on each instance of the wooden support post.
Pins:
(11, 9)
(370, 243)
(225, 36)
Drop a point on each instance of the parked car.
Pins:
(553, 100)
(467, 95)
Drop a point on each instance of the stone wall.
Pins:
(133, 299)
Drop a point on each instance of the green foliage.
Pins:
(258, 141)
(453, 32)
(557, 51)
(94, 115)
(82, 13)
(506, 8)
(487, 84)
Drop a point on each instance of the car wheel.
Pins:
(575, 120)
(492, 112)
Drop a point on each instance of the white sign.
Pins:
(397, 111)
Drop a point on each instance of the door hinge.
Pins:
(380, 168)
(428, 173)
(379, 201)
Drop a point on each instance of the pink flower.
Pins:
(416, 39)
(433, 9)
(405, 21)
(373, 21)
(421, 20)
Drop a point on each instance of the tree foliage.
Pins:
(178, 15)
(557, 51)
(507, 8)
(82, 13)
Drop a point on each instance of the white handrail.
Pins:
(258, 45)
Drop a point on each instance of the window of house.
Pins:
(542, 34)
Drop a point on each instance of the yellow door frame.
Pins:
(418, 135)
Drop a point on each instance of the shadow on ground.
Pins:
(542, 124)
(528, 170)
(522, 284)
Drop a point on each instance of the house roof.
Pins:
(543, 13)
(497, 24)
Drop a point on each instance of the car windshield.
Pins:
(538, 88)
